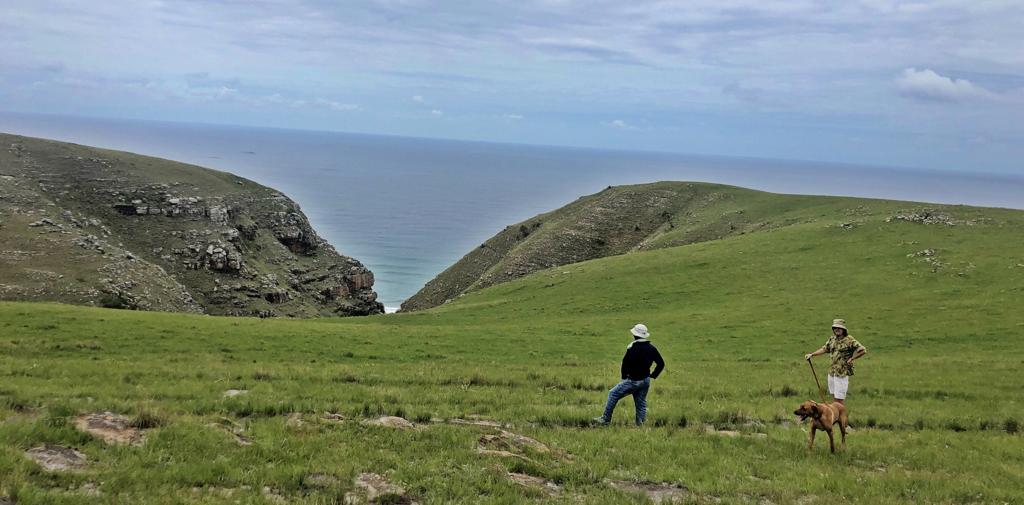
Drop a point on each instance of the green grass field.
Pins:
(936, 403)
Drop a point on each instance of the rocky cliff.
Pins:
(98, 227)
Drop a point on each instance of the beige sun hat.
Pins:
(640, 331)
(839, 323)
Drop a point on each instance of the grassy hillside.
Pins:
(627, 219)
(108, 228)
(935, 296)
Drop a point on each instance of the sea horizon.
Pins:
(409, 207)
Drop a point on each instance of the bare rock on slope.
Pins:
(128, 231)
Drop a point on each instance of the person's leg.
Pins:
(640, 400)
(614, 395)
(832, 386)
(842, 386)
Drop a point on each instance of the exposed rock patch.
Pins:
(656, 492)
(231, 393)
(928, 217)
(55, 458)
(372, 488)
(295, 421)
(109, 427)
(508, 443)
(391, 422)
(333, 417)
(710, 429)
(478, 422)
(232, 428)
(536, 483)
(320, 480)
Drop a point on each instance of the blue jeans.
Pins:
(625, 388)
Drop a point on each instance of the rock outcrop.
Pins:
(96, 227)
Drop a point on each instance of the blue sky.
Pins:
(936, 84)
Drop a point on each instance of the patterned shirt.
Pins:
(842, 349)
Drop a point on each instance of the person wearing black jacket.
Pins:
(636, 376)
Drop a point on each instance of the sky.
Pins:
(926, 84)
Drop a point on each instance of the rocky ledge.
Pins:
(97, 227)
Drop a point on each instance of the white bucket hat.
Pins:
(640, 331)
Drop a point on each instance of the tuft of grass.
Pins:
(146, 420)
(1011, 426)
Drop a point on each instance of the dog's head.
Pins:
(808, 409)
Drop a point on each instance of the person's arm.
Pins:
(659, 363)
(821, 350)
(861, 351)
(623, 368)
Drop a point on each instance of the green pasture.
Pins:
(936, 403)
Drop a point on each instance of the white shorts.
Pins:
(837, 386)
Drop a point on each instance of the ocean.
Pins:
(410, 207)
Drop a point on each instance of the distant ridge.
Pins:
(97, 227)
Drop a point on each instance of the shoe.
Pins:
(599, 421)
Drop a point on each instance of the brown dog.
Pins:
(823, 416)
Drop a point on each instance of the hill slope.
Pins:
(97, 227)
(935, 404)
(627, 219)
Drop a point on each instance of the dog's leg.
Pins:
(810, 437)
(831, 441)
(842, 428)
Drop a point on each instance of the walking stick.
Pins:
(820, 392)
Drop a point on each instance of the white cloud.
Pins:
(418, 99)
(437, 113)
(619, 124)
(513, 117)
(929, 85)
(336, 106)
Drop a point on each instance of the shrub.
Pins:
(1011, 426)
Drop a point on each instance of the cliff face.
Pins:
(91, 226)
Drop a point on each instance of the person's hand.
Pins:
(808, 356)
